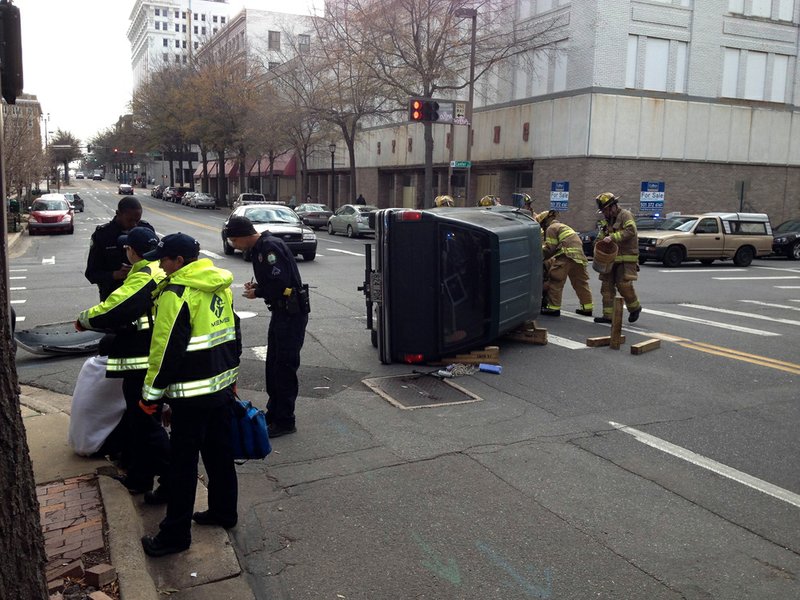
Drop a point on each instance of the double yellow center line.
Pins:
(755, 359)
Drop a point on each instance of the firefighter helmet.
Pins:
(606, 199)
(444, 201)
(489, 201)
(544, 218)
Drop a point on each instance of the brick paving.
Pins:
(71, 513)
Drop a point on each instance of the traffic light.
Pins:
(130, 152)
(116, 150)
(423, 110)
(88, 148)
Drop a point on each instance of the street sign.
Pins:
(451, 112)
(651, 197)
(460, 164)
(559, 195)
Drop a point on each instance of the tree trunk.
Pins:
(21, 542)
(191, 165)
(204, 156)
(222, 192)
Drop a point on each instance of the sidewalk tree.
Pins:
(64, 148)
(421, 48)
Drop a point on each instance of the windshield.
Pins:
(366, 208)
(787, 227)
(314, 207)
(50, 205)
(673, 223)
(686, 226)
(272, 215)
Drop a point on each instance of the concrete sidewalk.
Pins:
(209, 570)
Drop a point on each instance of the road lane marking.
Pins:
(565, 343)
(771, 305)
(18, 277)
(344, 252)
(210, 254)
(18, 270)
(706, 463)
(49, 261)
(699, 270)
(18, 301)
(787, 269)
(740, 313)
(20, 319)
(755, 278)
(787, 287)
(17, 289)
(710, 323)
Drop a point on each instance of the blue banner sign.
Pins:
(559, 195)
(651, 197)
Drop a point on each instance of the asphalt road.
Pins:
(582, 472)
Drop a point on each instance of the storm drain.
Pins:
(419, 391)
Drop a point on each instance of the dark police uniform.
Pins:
(276, 271)
(106, 256)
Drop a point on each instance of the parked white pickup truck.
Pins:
(709, 237)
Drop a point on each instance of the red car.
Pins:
(49, 213)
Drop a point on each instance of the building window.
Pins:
(183, 28)
(177, 43)
(203, 17)
(304, 42)
(394, 146)
(183, 15)
(203, 30)
(177, 58)
(195, 16)
(379, 146)
(754, 75)
(158, 25)
(165, 57)
(166, 43)
(781, 10)
(526, 131)
(214, 31)
(196, 45)
(195, 29)
(214, 19)
(222, 20)
(177, 14)
(274, 40)
(183, 44)
(177, 27)
(496, 134)
(650, 61)
(158, 12)
(184, 59)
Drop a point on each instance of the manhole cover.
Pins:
(419, 391)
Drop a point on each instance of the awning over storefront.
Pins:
(212, 170)
(284, 165)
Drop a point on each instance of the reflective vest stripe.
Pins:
(626, 258)
(201, 387)
(142, 323)
(130, 363)
(565, 233)
(151, 393)
(203, 342)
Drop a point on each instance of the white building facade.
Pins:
(698, 94)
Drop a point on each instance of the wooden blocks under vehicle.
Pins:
(490, 355)
(645, 346)
(529, 333)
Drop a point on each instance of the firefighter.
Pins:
(489, 200)
(128, 313)
(106, 266)
(193, 365)
(619, 226)
(565, 249)
(527, 204)
(440, 201)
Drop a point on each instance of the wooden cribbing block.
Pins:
(645, 346)
(616, 325)
(597, 342)
(530, 333)
(489, 355)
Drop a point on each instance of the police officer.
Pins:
(278, 283)
(128, 313)
(193, 365)
(106, 266)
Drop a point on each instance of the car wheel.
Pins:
(350, 233)
(707, 261)
(31, 231)
(227, 248)
(330, 229)
(744, 256)
(794, 253)
(642, 260)
(673, 257)
(71, 231)
(309, 256)
(373, 337)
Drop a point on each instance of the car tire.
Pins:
(373, 337)
(350, 233)
(707, 261)
(744, 256)
(30, 231)
(794, 253)
(71, 231)
(227, 248)
(330, 229)
(673, 257)
(309, 256)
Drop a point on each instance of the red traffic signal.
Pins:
(423, 110)
(116, 150)
(130, 151)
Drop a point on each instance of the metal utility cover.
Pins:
(412, 391)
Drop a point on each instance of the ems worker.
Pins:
(193, 365)
(564, 246)
(278, 283)
(106, 266)
(128, 313)
(619, 226)
(440, 201)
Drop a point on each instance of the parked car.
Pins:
(177, 195)
(80, 175)
(202, 200)
(125, 188)
(281, 222)
(249, 198)
(157, 191)
(50, 213)
(314, 215)
(97, 175)
(186, 197)
(643, 223)
(75, 201)
(168, 193)
(352, 219)
(786, 239)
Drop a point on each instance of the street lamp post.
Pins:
(471, 13)
(46, 155)
(332, 148)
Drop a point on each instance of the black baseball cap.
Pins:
(239, 227)
(175, 244)
(141, 239)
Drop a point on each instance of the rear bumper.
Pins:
(304, 247)
(49, 226)
(651, 252)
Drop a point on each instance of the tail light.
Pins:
(409, 215)
(413, 358)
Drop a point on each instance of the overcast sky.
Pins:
(77, 59)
